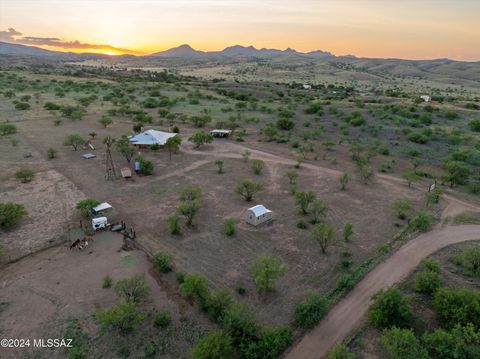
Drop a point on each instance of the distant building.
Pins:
(258, 214)
(426, 98)
(151, 137)
(220, 133)
(307, 86)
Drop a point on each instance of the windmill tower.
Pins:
(109, 165)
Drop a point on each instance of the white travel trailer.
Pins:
(99, 223)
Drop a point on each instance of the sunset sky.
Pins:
(417, 29)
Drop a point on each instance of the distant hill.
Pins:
(185, 51)
(22, 50)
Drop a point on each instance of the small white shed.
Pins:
(258, 214)
(425, 98)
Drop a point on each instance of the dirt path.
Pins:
(351, 311)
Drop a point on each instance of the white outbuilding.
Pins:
(425, 98)
(258, 214)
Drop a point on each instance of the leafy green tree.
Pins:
(126, 150)
(469, 259)
(402, 206)
(173, 144)
(215, 345)
(270, 344)
(201, 138)
(74, 140)
(344, 179)
(340, 351)
(195, 286)
(324, 235)
(367, 173)
(239, 322)
(218, 303)
(162, 319)
(11, 214)
(347, 231)
(410, 177)
(318, 209)
(247, 188)
(457, 172)
(308, 313)
(25, 175)
(303, 200)
(390, 308)
(431, 265)
(163, 262)
(105, 121)
(133, 289)
(146, 166)
(265, 271)
(123, 316)
(459, 343)
(173, 223)
(85, 204)
(257, 166)
(457, 306)
(189, 209)
(402, 344)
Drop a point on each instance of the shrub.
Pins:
(344, 179)
(162, 319)
(324, 235)
(22, 106)
(133, 289)
(309, 312)
(457, 306)
(422, 221)
(340, 351)
(459, 343)
(146, 166)
(302, 224)
(240, 324)
(107, 281)
(52, 153)
(25, 175)
(427, 281)
(105, 121)
(190, 193)
(228, 227)
(257, 166)
(265, 271)
(292, 177)
(219, 164)
(162, 262)
(402, 344)
(189, 209)
(11, 214)
(303, 200)
(173, 223)
(7, 129)
(469, 260)
(475, 125)
(347, 231)
(218, 303)
(215, 345)
(50, 106)
(390, 308)
(402, 206)
(123, 316)
(270, 344)
(431, 265)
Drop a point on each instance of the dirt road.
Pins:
(351, 311)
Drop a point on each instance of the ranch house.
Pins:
(151, 137)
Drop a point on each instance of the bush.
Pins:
(146, 166)
(218, 303)
(247, 188)
(459, 343)
(265, 271)
(402, 344)
(189, 209)
(7, 129)
(133, 289)
(215, 345)
(11, 214)
(52, 153)
(25, 175)
(123, 316)
(257, 166)
(50, 106)
(469, 260)
(431, 265)
(475, 125)
(162, 262)
(422, 221)
(427, 281)
(457, 306)
(162, 319)
(270, 344)
(340, 351)
(195, 286)
(309, 312)
(228, 227)
(173, 223)
(107, 281)
(390, 308)
(241, 325)
(22, 106)
(190, 193)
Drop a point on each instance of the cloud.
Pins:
(14, 36)
(9, 35)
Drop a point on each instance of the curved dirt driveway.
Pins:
(349, 313)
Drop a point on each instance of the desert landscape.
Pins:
(241, 203)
